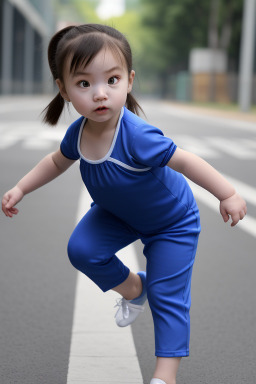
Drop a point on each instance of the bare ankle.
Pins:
(131, 287)
(166, 369)
(135, 288)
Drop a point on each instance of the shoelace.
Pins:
(125, 307)
(124, 304)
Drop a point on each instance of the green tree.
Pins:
(77, 11)
(174, 27)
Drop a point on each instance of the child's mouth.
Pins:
(101, 109)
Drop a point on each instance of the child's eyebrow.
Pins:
(84, 73)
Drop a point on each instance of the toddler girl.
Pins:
(134, 175)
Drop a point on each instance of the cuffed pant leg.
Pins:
(170, 257)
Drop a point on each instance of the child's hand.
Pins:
(233, 206)
(10, 199)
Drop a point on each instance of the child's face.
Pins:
(99, 90)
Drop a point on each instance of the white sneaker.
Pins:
(127, 312)
(157, 381)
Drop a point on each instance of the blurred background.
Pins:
(189, 55)
(191, 51)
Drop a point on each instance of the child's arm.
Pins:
(203, 174)
(45, 171)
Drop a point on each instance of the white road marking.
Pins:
(232, 147)
(32, 135)
(35, 136)
(247, 191)
(249, 143)
(195, 145)
(16, 104)
(226, 123)
(248, 224)
(7, 141)
(100, 352)
(214, 147)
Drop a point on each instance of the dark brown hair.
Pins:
(81, 44)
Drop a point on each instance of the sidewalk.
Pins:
(213, 111)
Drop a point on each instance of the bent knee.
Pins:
(83, 253)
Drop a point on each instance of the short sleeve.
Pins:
(151, 148)
(68, 145)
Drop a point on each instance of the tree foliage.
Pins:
(77, 11)
(179, 25)
(163, 32)
(174, 27)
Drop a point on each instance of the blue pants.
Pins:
(170, 256)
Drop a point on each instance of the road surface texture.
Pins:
(38, 286)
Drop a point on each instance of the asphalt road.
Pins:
(37, 283)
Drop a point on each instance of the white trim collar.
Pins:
(111, 147)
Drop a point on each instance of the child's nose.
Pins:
(100, 93)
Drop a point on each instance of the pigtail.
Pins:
(133, 105)
(52, 112)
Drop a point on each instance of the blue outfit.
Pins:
(136, 196)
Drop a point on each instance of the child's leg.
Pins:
(167, 368)
(170, 257)
(92, 247)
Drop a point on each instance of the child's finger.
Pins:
(4, 209)
(242, 214)
(15, 211)
(224, 215)
(10, 204)
(235, 219)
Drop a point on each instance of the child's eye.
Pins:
(113, 80)
(84, 84)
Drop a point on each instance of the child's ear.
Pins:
(62, 89)
(130, 81)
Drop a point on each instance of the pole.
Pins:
(247, 55)
(7, 48)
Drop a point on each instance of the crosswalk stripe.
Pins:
(247, 191)
(249, 143)
(224, 123)
(248, 224)
(231, 147)
(197, 146)
(7, 142)
(215, 147)
(100, 352)
(33, 136)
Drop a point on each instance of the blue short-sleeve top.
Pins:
(132, 181)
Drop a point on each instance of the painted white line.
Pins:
(7, 142)
(248, 224)
(197, 146)
(249, 143)
(223, 122)
(33, 135)
(100, 352)
(15, 104)
(232, 147)
(247, 191)
(36, 144)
